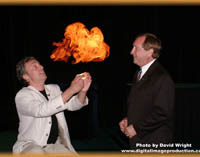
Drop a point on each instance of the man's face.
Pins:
(34, 72)
(140, 55)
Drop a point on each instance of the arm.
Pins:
(80, 99)
(76, 85)
(31, 103)
(79, 86)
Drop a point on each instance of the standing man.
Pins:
(42, 124)
(151, 99)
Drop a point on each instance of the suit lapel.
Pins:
(48, 91)
(31, 87)
(148, 73)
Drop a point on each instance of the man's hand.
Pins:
(80, 84)
(123, 124)
(86, 78)
(77, 84)
(130, 131)
(86, 81)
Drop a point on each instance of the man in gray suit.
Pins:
(42, 124)
(149, 121)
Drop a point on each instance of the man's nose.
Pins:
(132, 51)
(41, 67)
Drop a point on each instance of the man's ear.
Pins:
(151, 51)
(26, 77)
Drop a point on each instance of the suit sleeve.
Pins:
(73, 104)
(30, 104)
(163, 101)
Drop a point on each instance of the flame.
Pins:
(82, 44)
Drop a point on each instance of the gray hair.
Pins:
(151, 42)
(20, 69)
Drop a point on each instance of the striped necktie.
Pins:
(139, 75)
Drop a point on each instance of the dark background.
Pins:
(31, 30)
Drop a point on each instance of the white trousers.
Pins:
(49, 148)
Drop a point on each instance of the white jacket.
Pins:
(35, 112)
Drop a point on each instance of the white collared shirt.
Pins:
(146, 67)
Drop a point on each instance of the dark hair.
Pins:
(151, 42)
(20, 69)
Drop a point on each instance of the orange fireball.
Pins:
(83, 45)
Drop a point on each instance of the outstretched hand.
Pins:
(87, 80)
(77, 84)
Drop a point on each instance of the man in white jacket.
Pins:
(42, 124)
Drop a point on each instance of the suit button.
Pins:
(47, 134)
(49, 122)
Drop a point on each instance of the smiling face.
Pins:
(35, 73)
(141, 56)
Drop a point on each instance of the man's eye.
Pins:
(34, 67)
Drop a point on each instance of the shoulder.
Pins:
(162, 75)
(52, 86)
(24, 92)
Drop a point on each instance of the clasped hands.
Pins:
(128, 130)
(81, 82)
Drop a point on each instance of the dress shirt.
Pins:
(146, 67)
